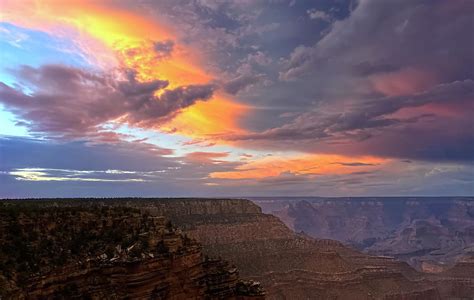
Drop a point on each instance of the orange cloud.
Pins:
(211, 119)
(117, 38)
(116, 29)
(308, 164)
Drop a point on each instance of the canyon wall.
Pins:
(430, 234)
(105, 252)
(290, 265)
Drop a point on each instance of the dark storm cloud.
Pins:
(64, 101)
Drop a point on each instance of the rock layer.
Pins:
(429, 233)
(104, 252)
(290, 265)
(287, 264)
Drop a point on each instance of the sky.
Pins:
(207, 98)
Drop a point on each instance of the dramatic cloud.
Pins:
(69, 102)
(238, 97)
(387, 76)
(385, 127)
(370, 114)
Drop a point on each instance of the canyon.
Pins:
(274, 261)
(295, 266)
(429, 233)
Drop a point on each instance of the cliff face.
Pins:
(430, 234)
(105, 252)
(290, 266)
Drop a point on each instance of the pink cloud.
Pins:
(403, 82)
(206, 157)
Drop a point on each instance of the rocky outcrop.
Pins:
(107, 252)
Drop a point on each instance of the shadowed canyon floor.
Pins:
(288, 265)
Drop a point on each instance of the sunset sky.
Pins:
(236, 98)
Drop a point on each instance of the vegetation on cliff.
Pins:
(49, 250)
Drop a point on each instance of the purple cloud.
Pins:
(62, 101)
